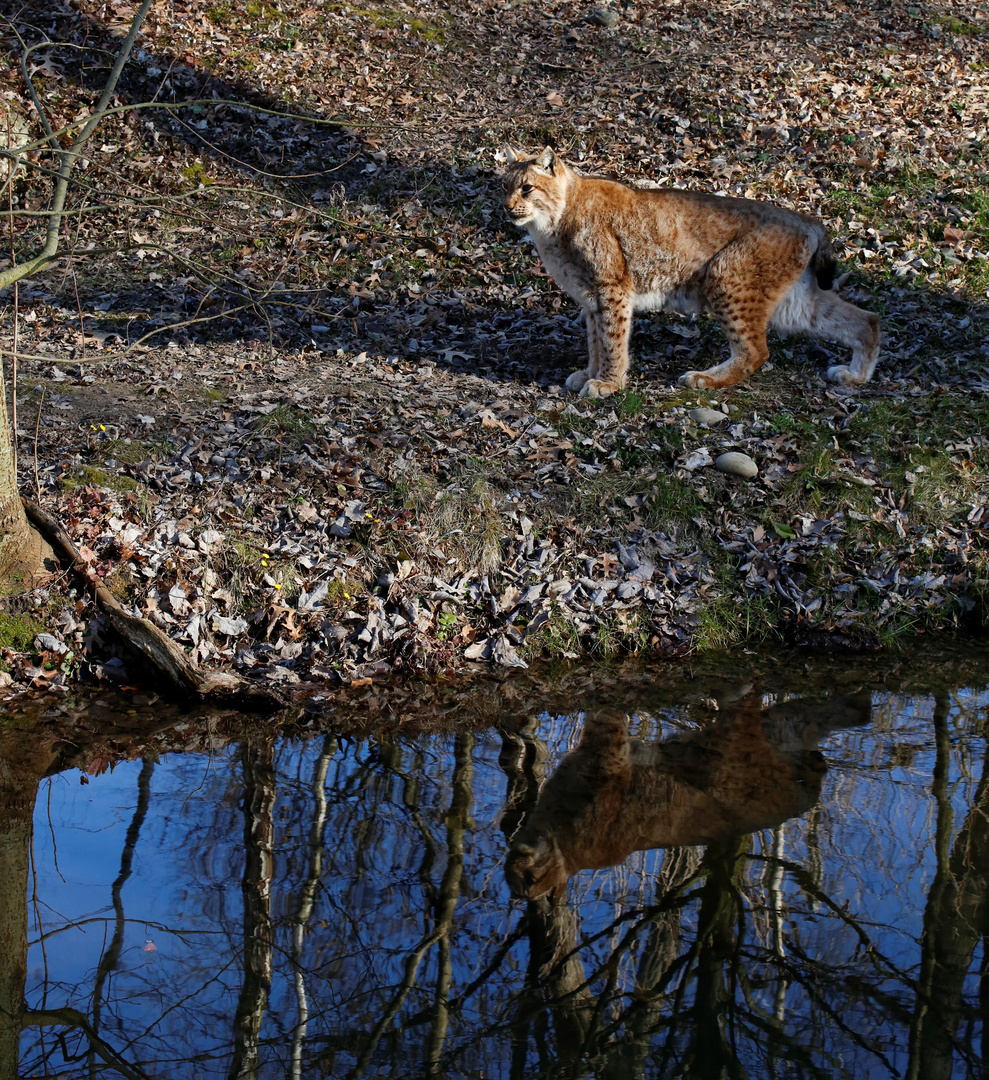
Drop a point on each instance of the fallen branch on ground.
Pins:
(223, 687)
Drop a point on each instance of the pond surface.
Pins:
(749, 869)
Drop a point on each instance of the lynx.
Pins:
(752, 264)
(613, 795)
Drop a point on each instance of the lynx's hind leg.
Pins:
(749, 352)
(610, 327)
(844, 322)
(816, 312)
(744, 284)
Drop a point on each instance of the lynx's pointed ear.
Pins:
(548, 160)
(509, 154)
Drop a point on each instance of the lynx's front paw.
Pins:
(696, 380)
(599, 388)
(575, 382)
(841, 373)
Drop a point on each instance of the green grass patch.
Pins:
(19, 631)
(463, 516)
(123, 450)
(285, 424)
(572, 423)
(730, 620)
(92, 476)
(389, 19)
(261, 9)
(468, 514)
(197, 175)
(960, 27)
(902, 447)
(671, 501)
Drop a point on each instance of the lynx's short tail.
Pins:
(824, 264)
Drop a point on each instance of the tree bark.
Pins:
(23, 553)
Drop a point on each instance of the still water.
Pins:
(742, 868)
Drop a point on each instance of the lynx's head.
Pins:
(536, 867)
(535, 189)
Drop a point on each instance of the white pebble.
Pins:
(707, 417)
(737, 465)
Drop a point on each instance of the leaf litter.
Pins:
(310, 420)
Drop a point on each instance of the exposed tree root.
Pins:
(185, 679)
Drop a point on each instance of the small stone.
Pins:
(707, 417)
(737, 464)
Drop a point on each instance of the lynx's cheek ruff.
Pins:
(616, 250)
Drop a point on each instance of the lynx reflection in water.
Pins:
(613, 795)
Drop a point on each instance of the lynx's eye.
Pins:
(527, 189)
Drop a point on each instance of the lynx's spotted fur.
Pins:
(616, 250)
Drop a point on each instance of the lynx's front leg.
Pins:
(575, 382)
(608, 333)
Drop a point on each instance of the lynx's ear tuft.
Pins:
(547, 160)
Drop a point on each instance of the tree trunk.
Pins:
(23, 554)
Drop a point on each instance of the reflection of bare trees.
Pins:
(442, 902)
(955, 919)
(378, 940)
(23, 762)
(21, 767)
(307, 896)
(446, 897)
(108, 963)
(259, 799)
(613, 795)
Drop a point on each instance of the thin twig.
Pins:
(82, 325)
(13, 355)
(13, 388)
(68, 159)
(37, 428)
